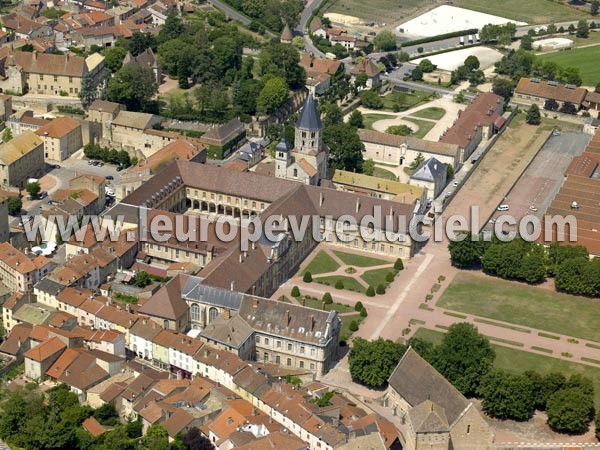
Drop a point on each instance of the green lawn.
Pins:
(425, 126)
(531, 11)
(517, 361)
(345, 332)
(353, 259)
(318, 304)
(350, 284)
(382, 173)
(376, 277)
(322, 263)
(405, 100)
(524, 305)
(370, 118)
(586, 59)
(433, 113)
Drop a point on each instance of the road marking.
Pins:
(402, 296)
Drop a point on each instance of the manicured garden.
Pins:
(370, 118)
(425, 126)
(433, 113)
(348, 283)
(525, 305)
(353, 259)
(322, 263)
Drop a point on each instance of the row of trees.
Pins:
(574, 272)
(273, 14)
(111, 156)
(465, 358)
(35, 421)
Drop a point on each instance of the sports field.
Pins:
(520, 304)
(586, 59)
(380, 11)
(531, 11)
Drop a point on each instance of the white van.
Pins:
(503, 208)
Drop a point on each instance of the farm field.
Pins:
(586, 59)
(518, 361)
(520, 304)
(532, 11)
(380, 11)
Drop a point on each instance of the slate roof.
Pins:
(428, 418)
(194, 290)
(232, 332)
(309, 118)
(416, 381)
(431, 170)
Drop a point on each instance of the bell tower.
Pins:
(309, 129)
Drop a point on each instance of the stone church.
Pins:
(307, 161)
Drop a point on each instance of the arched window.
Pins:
(212, 314)
(195, 312)
(295, 173)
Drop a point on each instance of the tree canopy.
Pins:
(134, 86)
(385, 41)
(345, 147)
(372, 362)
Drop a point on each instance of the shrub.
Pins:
(327, 298)
(295, 292)
(363, 312)
(428, 297)
(358, 306)
(389, 277)
(339, 284)
(307, 278)
(353, 326)
(343, 342)
(370, 291)
(380, 289)
(398, 265)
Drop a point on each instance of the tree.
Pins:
(307, 278)
(476, 77)
(568, 108)
(356, 119)
(527, 42)
(272, 95)
(571, 75)
(507, 396)
(332, 114)
(594, 7)
(416, 74)
(327, 299)
(399, 130)
(33, 189)
(282, 60)
(503, 87)
(6, 135)
(385, 41)
(571, 29)
(583, 29)
(570, 410)
(372, 362)
(427, 66)
(368, 167)
(380, 289)
(113, 58)
(471, 63)
(142, 279)
(172, 29)
(398, 265)
(139, 42)
(360, 81)
(419, 159)
(295, 292)
(370, 99)
(107, 415)
(425, 349)
(194, 440)
(156, 438)
(353, 326)
(345, 147)
(15, 205)
(533, 116)
(551, 104)
(133, 86)
(370, 291)
(88, 92)
(464, 357)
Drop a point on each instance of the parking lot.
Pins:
(541, 181)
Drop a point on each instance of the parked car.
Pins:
(119, 168)
(56, 166)
(503, 208)
(43, 195)
(533, 208)
(109, 177)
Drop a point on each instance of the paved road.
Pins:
(302, 27)
(233, 14)
(397, 77)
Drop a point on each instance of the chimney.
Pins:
(231, 286)
(320, 199)
(144, 321)
(312, 322)
(287, 317)
(255, 302)
(206, 353)
(357, 204)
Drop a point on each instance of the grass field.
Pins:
(376, 10)
(370, 118)
(322, 263)
(425, 126)
(318, 304)
(353, 259)
(350, 283)
(382, 173)
(433, 113)
(376, 277)
(531, 11)
(517, 361)
(524, 305)
(345, 332)
(586, 59)
(405, 100)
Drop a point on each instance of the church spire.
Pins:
(309, 119)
